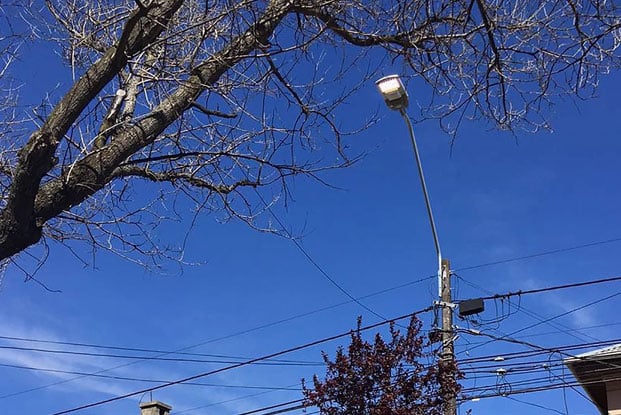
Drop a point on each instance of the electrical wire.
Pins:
(312, 261)
(221, 402)
(296, 401)
(594, 359)
(480, 369)
(217, 403)
(536, 405)
(115, 377)
(137, 349)
(237, 365)
(155, 358)
(301, 315)
(534, 291)
(550, 252)
(533, 383)
(552, 288)
(540, 254)
(275, 362)
(539, 388)
(567, 331)
(549, 319)
(523, 355)
(533, 353)
(281, 411)
(214, 340)
(523, 293)
(530, 362)
(557, 325)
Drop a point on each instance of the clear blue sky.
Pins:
(495, 197)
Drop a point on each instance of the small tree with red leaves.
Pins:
(401, 376)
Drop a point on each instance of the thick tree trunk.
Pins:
(20, 225)
(22, 228)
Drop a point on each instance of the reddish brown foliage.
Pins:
(400, 376)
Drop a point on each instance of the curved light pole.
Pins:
(396, 97)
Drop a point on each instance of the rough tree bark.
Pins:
(175, 63)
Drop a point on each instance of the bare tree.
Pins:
(214, 99)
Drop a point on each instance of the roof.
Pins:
(593, 369)
(605, 351)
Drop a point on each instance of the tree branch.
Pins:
(93, 172)
(19, 225)
(174, 177)
(214, 113)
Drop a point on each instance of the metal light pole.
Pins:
(396, 97)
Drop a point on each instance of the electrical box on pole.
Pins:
(470, 307)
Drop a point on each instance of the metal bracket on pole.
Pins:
(452, 306)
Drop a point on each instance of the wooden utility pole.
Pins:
(448, 352)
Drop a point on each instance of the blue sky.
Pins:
(494, 197)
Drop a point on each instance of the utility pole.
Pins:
(396, 97)
(448, 353)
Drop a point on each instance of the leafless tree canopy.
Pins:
(213, 99)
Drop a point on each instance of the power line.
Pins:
(280, 362)
(553, 288)
(536, 405)
(198, 360)
(280, 405)
(533, 383)
(549, 319)
(313, 262)
(237, 365)
(115, 377)
(597, 326)
(283, 410)
(232, 335)
(137, 349)
(522, 355)
(539, 334)
(227, 401)
(222, 402)
(504, 394)
(467, 371)
(251, 361)
(560, 327)
(295, 317)
(508, 339)
(531, 363)
(300, 405)
(154, 358)
(540, 254)
(538, 388)
(180, 351)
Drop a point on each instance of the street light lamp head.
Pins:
(393, 92)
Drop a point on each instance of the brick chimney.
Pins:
(154, 408)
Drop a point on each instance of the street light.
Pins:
(394, 93)
(396, 97)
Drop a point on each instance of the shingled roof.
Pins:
(593, 369)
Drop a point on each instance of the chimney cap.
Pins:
(145, 405)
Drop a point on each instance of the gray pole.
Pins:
(421, 176)
(396, 98)
(444, 277)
